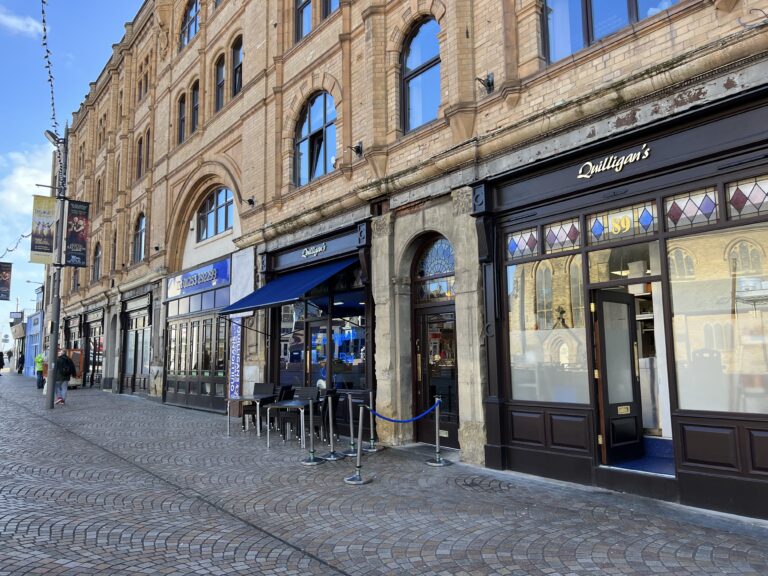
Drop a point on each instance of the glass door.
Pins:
(318, 355)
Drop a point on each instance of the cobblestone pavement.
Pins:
(120, 485)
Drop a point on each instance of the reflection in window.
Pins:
(219, 89)
(577, 292)
(190, 24)
(434, 273)
(303, 18)
(237, 66)
(193, 121)
(720, 323)
(182, 119)
(680, 265)
(96, 269)
(138, 239)
(216, 214)
(548, 358)
(421, 76)
(624, 262)
(315, 139)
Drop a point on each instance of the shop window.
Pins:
(219, 89)
(622, 223)
(548, 357)
(748, 198)
(315, 139)
(237, 66)
(303, 18)
(434, 276)
(562, 236)
(195, 111)
(522, 244)
(182, 119)
(719, 325)
(625, 262)
(96, 268)
(329, 7)
(573, 24)
(216, 214)
(691, 210)
(680, 265)
(421, 76)
(207, 348)
(190, 23)
(172, 349)
(577, 292)
(138, 239)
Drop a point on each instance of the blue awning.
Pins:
(288, 287)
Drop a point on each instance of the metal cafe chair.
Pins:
(284, 393)
(286, 417)
(252, 409)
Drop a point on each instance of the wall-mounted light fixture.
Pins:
(251, 202)
(357, 149)
(487, 82)
(157, 247)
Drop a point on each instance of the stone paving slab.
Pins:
(121, 485)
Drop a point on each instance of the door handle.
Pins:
(637, 362)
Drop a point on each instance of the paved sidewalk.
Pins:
(120, 485)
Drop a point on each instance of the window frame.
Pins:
(194, 107)
(140, 157)
(298, 139)
(211, 206)
(96, 266)
(138, 246)
(299, 7)
(327, 8)
(219, 84)
(190, 17)
(181, 119)
(237, 66)
(405, 78)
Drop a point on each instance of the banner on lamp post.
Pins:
(43, 229)
(5, 280)
(77, 234)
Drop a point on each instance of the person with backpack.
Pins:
(64, 370)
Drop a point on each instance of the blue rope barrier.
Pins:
(419, 417)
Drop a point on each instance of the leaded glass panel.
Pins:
(691, 210)
(434, 272)
(560, 236)
(748, 198)
(523, 243)
(622, 223)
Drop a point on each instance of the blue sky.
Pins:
(80, 35)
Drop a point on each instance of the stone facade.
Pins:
(127, 159)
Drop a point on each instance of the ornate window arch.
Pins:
(315, 139)
(745, 258)
(681, 265)
(420, 85)
(190, 23)
(139, 238)
(435, 271)
(216, 214)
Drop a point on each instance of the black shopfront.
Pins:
(136, 323)
(626, 297)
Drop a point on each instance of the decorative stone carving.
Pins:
(381, 226)
(462, 201)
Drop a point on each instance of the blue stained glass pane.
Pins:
(646, 219)
(597, 228)
(707, 206)
(423, 47)
(551, 237)
(512, 247)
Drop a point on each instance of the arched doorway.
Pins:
(434, 341)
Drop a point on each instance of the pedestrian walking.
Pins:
(39, 359)
(20, 363)
(2, 362)
(64, 370)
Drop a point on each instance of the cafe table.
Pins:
(296, 404)
(258, 399)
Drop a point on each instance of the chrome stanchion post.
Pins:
(356, 479)
(372, 446)
(438, 460)
(332, 455)
(352, 451)
(312, 460)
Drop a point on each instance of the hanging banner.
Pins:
(5, 280)
(77, 234)
(43, 229)
(234, 360)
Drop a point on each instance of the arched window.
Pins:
(216, 214)
(544, 312)
(96, 268)
(139, 157)
(237, 66)
(303, 18)
(138, 239)
(190, 24)
(148, 158)
(75, 279)
(219, 99)
(434, 275)
(315, 140)
(745, 258)
(421, 76)
(98, 193)
(193, 121)
(113, 253)
(182, 122)
(577, 293)
(329, 7)
(680, 265)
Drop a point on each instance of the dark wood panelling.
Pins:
(727, 493)
(758, 450)
(709, 446)
(528, 427)
(623, 430)
(572, 467)
(569, 431)
(652, 486)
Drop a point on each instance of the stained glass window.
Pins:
(523, 243)
(435, 272)
(622, 223)
(748, 198)
(564, 235)
(690, 210)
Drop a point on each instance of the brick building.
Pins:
(464, 198)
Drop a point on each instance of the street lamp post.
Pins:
(61, 196)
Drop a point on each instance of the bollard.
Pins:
(352, 451)
(332, 455)
(312, 460)
(372, 446)
(438, 460)
(356, 479)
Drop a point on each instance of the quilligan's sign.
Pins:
(613, 162)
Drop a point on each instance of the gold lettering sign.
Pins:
(624, 409)
(613, 162)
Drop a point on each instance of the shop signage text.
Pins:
(613, 162)
(313, 251)
(199, 280)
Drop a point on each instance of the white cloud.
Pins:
(19, 24)
(19, 172)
